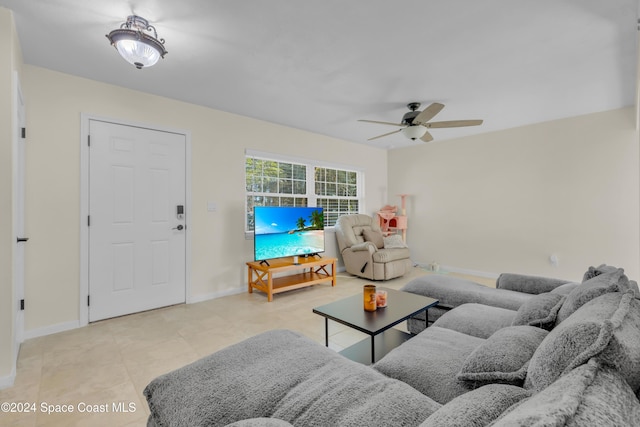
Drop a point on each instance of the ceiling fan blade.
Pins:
(453, 123)
(428, 113)
(426, 137)
(386, 134)
(382, 123)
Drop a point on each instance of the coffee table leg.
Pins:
(326, 332)
(373, 350)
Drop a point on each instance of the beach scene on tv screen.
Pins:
(288, 231)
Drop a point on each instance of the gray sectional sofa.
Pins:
(511, 291)
(559, 359)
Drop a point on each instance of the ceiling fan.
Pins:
(415, 124)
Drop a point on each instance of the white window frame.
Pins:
(310, 179)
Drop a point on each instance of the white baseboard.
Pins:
(214, 295)
(478, 273)
(8, 381)
(66, 326)
(453, 269)
(51, 329)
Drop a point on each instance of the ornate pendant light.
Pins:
(136, 46)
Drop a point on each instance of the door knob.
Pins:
(22, 239)
(179, 227)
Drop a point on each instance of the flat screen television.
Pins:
(287, 231)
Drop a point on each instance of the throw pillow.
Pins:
(540, 311)
(394, 242)
(596, 271)
(478, 407)
(373, 236)
(590, 395)
(607, 327)
(612, 281)
(503, 357)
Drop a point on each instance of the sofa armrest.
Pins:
(528, 284)
(364, 246)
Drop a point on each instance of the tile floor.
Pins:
(100, 370)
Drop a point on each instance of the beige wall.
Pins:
(10, 62)
(505, 201)
(55, 102)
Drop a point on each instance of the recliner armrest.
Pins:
(364, 246)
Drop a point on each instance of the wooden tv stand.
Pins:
(260, 275)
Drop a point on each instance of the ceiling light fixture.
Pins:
(414, 132)
(134, 45)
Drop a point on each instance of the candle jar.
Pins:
(369, 297)
(381, 299)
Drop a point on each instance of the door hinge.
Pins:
(88, 220)
(89, 140)
(23, 133)
(21, 304)
(88, 301)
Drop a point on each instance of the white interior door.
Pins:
(137, 238)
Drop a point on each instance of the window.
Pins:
(275, 182)
(337, 192)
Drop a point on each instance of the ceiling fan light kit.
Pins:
(414, 132)
(137, 42)
(415, 124)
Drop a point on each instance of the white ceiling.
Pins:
(321, 65)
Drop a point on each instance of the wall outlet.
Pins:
(553, 259)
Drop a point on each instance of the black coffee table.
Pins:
(350, 312)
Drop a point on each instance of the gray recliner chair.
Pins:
(361, 245)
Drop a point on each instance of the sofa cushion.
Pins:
(373, 236)
(589, 395)
(503, 357)
(540, 311)
(350, 394)
(478, 408)
(607, 327)
(464, 318)
(430, 361)
(610, 281)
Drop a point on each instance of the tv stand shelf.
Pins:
(260, 276)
